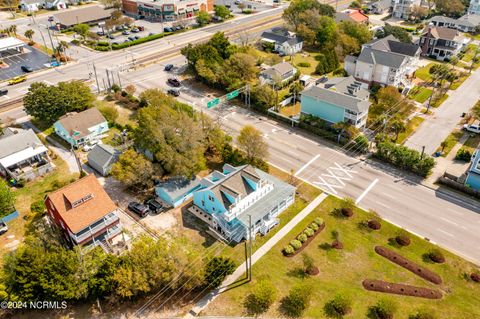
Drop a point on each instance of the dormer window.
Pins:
(82, 200)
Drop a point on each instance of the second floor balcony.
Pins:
(94, 228)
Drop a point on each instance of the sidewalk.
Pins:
(206, 300)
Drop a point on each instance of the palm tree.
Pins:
(62, 46)
(12, 29)
(397, 125)
(29, 34)
(295, 89)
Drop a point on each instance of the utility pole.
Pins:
(96, 77)
(423, 152)
(77, 160)
(250, 235)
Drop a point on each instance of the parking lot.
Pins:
(31, 57)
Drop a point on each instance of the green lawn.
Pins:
(472, 142)
(342, 271)
(458, 82)
(308, 58)
(469, 53)
(438, 102)
(450, 142)
(411, 127)
(420, 94)
(423, 72)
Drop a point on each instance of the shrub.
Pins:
(304, 64)
(347, 212)
(263, 295)
(309, 265)
(337, 244)
(475, 276)
(436, 256)
(110, 112)
(313, 226)
(302, 238)
(217, 269)
(115, 88)
(297, 301)
(38, 207)
(403, 240)
(338, 307)
(309, 232)
(318, 221)
(384, 309)
(296, 244)
(423, 314)
(288, 250)
(374, 224)
(463, 155)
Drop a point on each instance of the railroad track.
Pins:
(10, 103)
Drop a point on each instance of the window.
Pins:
(422, 41)
(213, 208)
(210, 198)
(203, 203)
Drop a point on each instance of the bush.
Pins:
(313, 226)
(384, 309)
(288, 250)
(261, 298)
(338, 307)
(423, 314)
(217, 269)
(296, 244)
(302, 238)
(139, 41)
(318, 221)
(475, 276)
(347, 212)
(463, 155)
(309, 232)
(110, 113)
(75, 42)
(115, 88)
(403, 240)
(374, 224)
(297, 301)
(38, 207)
(436, 256)
(304, 64)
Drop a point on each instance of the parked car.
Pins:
(178, 28)
(173, 92)
(3, 92)
(228, 6)
(26, 68)
(131, 38)
(17, 79)
(167, 29)
(154, 206)
(126, 32)
(173, 82)
(90, 145)
(135, 30)
(237, 2)
(217, 19)
(141, 28)
(3, 227)
(139, 209)
(126, 40)
(137, 37)
(168, 67)
(100, 33)
(111, 36)
(151, 33)
(474, 128)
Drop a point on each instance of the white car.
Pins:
(90, 145)
(474, 128)
(3, 227)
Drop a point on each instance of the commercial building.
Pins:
(84, 213)
(166, 10)
(87, 15)
(12, 44)
(337, 100)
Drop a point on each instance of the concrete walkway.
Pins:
(436, 128)
(240, 271)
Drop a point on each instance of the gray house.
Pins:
(380, 7)
(466, 23)
(101, 158)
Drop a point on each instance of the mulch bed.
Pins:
(409, 265)
(401, 289)
(305, 244)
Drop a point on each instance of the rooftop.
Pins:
(81, 122)
(352, 15)
(82, 15)
(12, 143)
(392, 44)
(441, 32)
(178, 186)
(102, 154)
(82, 203)
(279, 69)
(10, 42)
(282, 35)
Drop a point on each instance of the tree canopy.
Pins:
(49, 102)
(398, 32)
(133, 169)
(7, 198)
(250, 140)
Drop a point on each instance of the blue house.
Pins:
(229, 200)
(338, 100)
(473, 177)
(177, 191)
(80, 128)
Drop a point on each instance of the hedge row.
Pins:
(296, 244)
(104, 46)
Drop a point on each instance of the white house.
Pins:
(385, 61)
(285, 42)
(403, 8)
(279, 73)
(35, 5)
(474, 7)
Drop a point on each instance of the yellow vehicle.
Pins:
(17, 79)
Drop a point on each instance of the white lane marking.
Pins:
(365, 192)
(337, 178)
(446, 233)
(6, 97)
(448, 221)
(388, 195)
(341, 169)
(324, 183)
(307, 164)
(455, 212)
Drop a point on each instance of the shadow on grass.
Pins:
(393, 242)
(297, 272)
(337, 213)
(192, 222)
(325, 246)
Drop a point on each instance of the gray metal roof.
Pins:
(177, 187)
(102, 155)
(337, 93)
(470, 20)
(381, 5)
(443, 19)
(82, 15)
(282, 35)
(15, 143)
(391, 44)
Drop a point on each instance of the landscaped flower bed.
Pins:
(401, 289)
(304, 238)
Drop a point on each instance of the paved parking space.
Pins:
(33, 58)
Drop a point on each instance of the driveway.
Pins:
(32, 57)
(436, 128)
